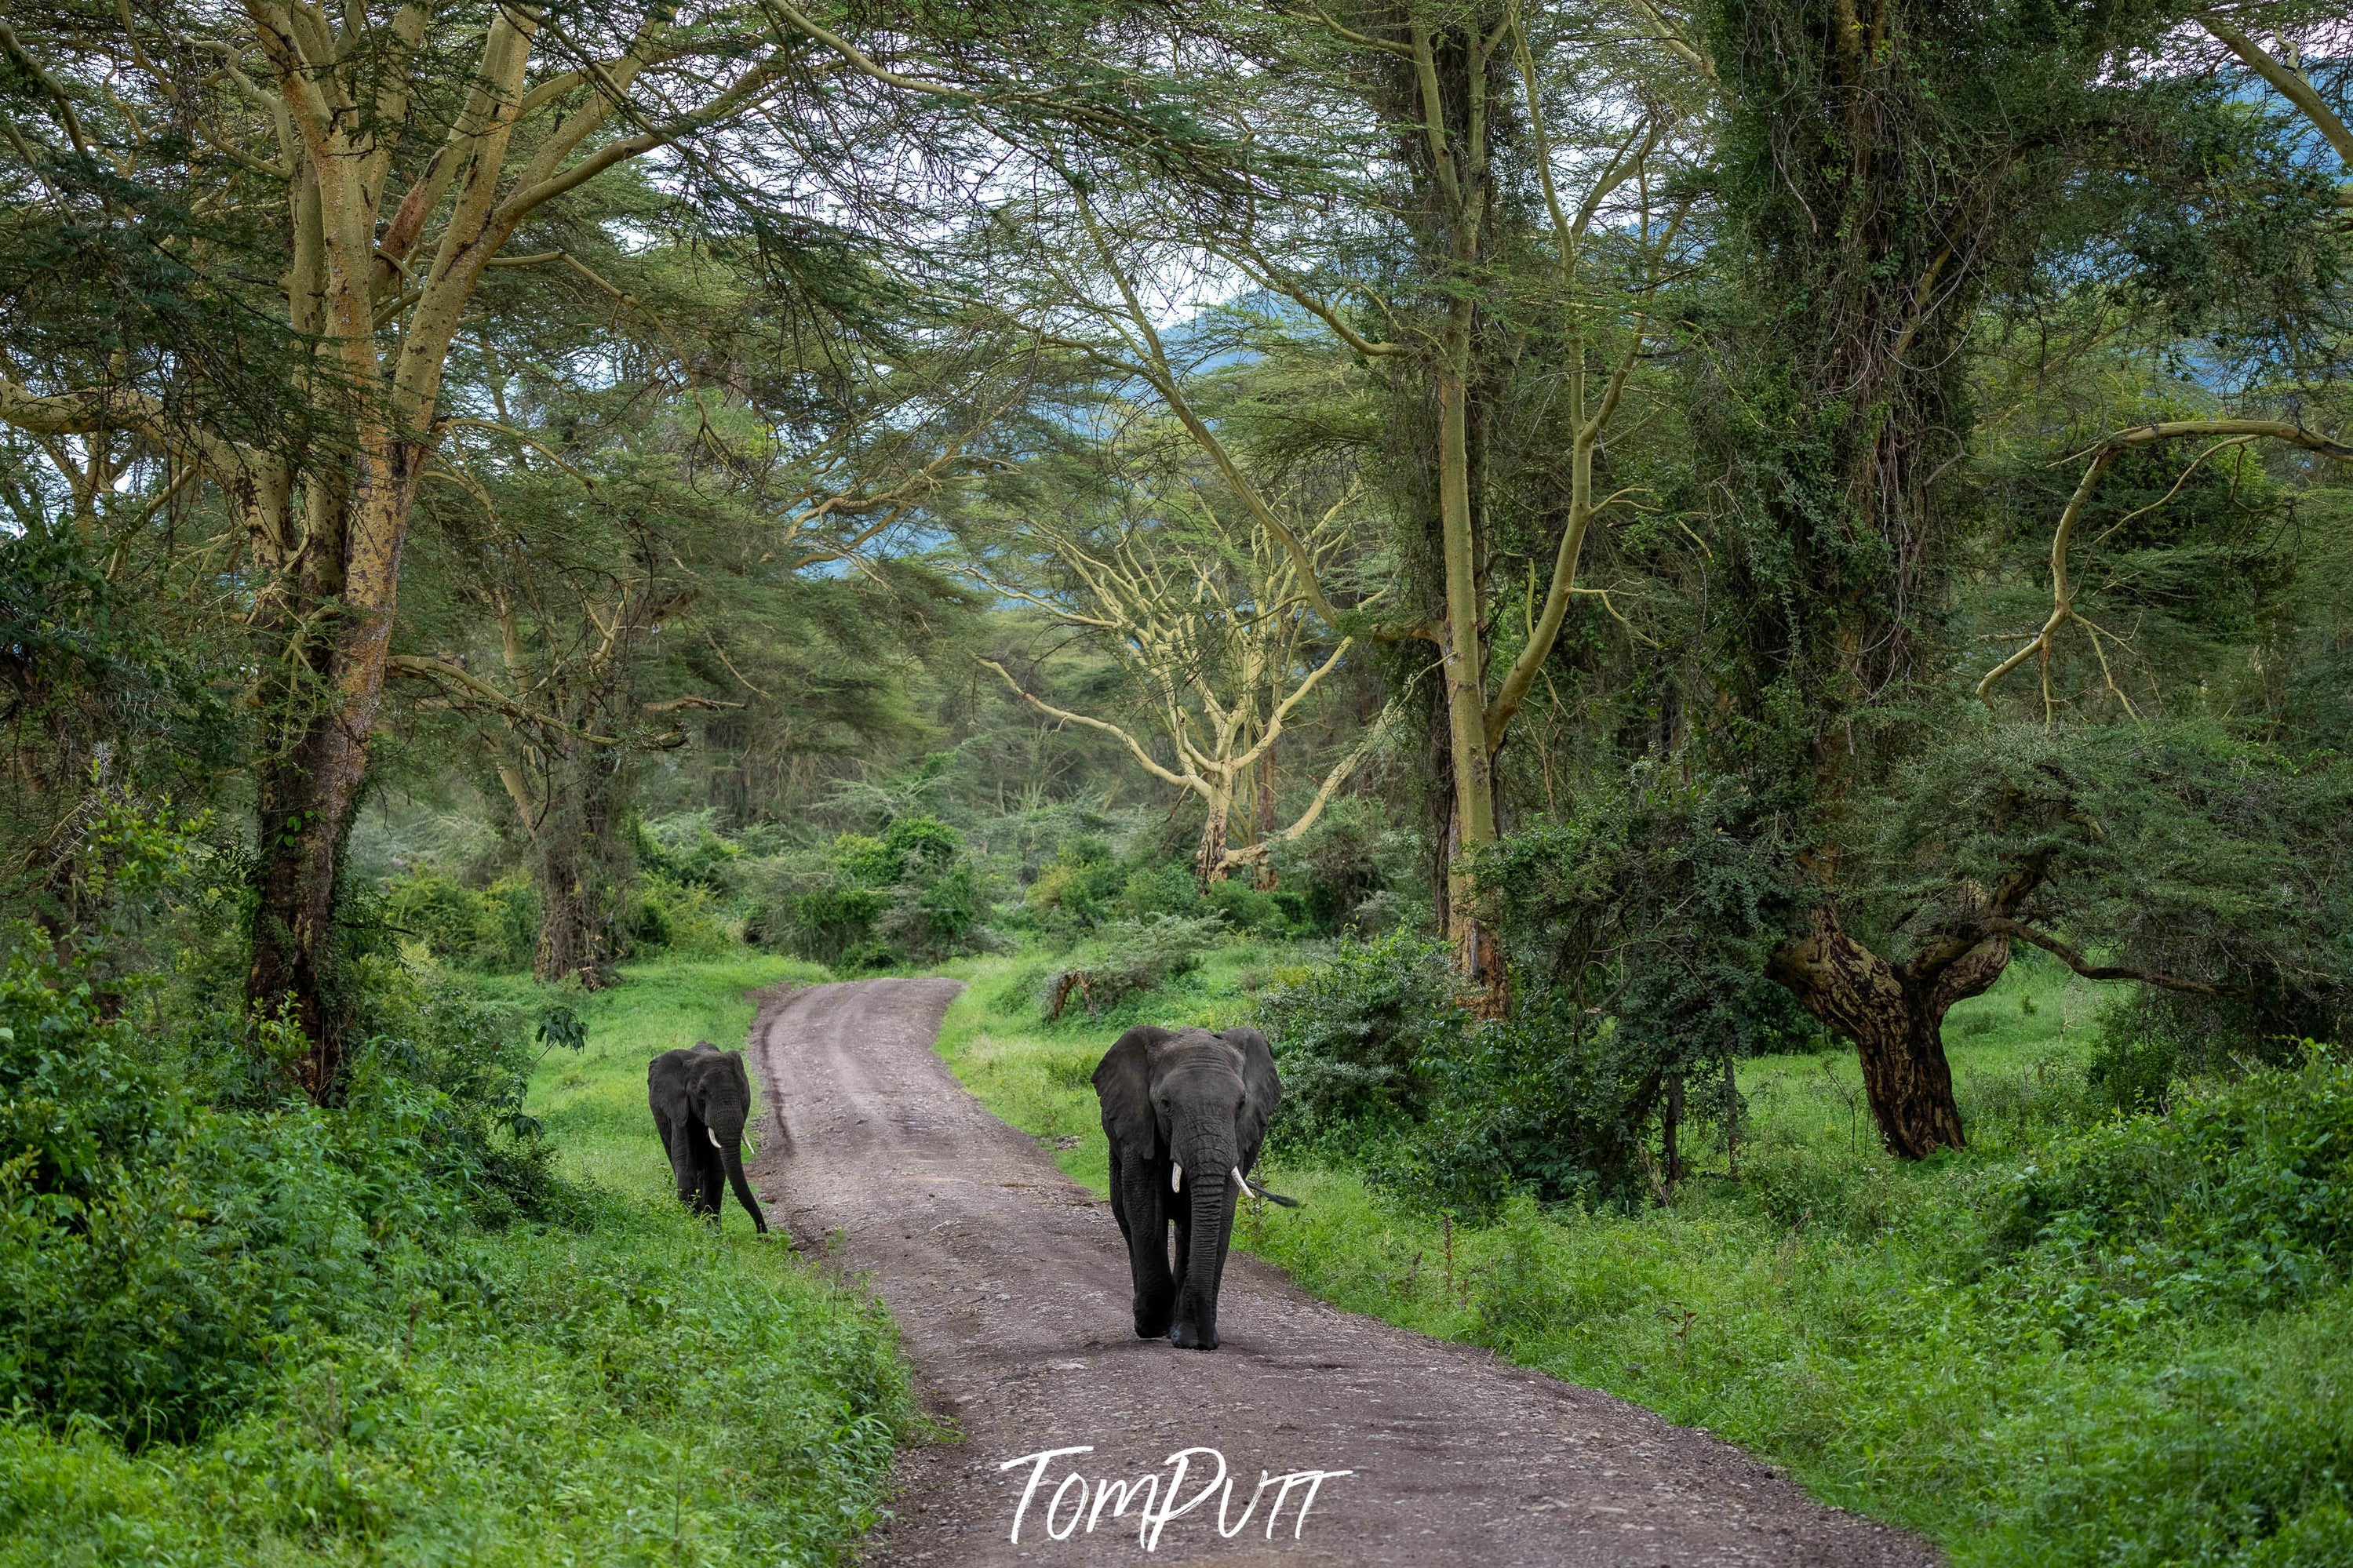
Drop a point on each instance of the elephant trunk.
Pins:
(1212, 1214)
(730, 1155)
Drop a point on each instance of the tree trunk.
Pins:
(308, 786)
(576, 874)
(1209, 860)
(1478, 956)
(573, 924)
(1478, 946)
(1894, 1016)
(320, 713)
(1263, 876)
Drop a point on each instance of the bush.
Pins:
(636, 1394)
(492, 930)
(1167, 888)
(2240, 1199)
(2133, 1064)
(1132, 958)
(157, 1254)
(866, 902)
(685, 850)
(686, 920)
(1077, 887)
(1345, 868)
(1353, 1040)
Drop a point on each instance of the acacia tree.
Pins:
(393, 154)
(1887, 167)
(1205, 613)
(1406, 247)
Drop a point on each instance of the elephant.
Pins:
(700, 1099)
(1185, 1112)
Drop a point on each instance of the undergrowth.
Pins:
(393, 1373)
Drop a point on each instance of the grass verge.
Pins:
(631, 1389)
(1841, 1313)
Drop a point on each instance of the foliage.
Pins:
(2205, 858)
(492, 929)
(161, 1253)
(1077, 887)
(622, 1388)
(913, 893)
(2237, 1201)
(1346, 868)
(688, 919)
(1358, 1041)
(1126, 959)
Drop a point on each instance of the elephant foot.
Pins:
(1151, 1325)
(1188, 1337)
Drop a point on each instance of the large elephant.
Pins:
(1185, 1110)
(700, 1099)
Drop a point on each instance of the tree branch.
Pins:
(2090, 971)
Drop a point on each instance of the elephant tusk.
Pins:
(1175, 1175)
(707, 1133)
(1262, 1191)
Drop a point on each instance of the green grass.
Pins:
(594, 1104)
(1833, 1309)
(634, 1392)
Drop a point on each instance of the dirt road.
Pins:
(1009, 1284)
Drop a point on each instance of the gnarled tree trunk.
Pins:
(1894, 1016)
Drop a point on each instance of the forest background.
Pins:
(1729, 621)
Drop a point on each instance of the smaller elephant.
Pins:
(700, 1099)
(1185, 1112)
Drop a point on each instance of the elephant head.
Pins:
(1185, 1112)
(700, 1100)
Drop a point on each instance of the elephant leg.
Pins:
(1135, 1203)
(682, 1167)
(711, 1178)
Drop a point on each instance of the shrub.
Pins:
(687, 918)
(1133, 957)
(1352, 1039)
(157, 1254)
(1167, 888)
(1342, 867)
(867, 902)
(2242, 1198)
(1553, 1103)
(686, 851)
(493, 929)
(1076, 888)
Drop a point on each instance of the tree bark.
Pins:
(574, 916)
(578, 870)
(1895, 1018)
(320, 716)
(1209, 860)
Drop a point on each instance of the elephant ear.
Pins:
(1261, 1090)
(1124, 1084)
